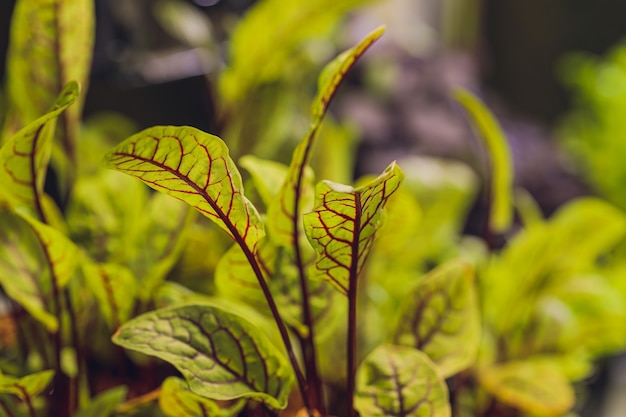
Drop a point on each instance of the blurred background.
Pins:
(553, 73)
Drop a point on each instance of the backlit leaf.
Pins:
(440, 317)
(24, 158)
(400, 381)
(176, 400)
(500, 159)
(115, 288)
(194, 167)
(266, 175)
(341, 228)
(26, 387)
(533, 386)
(295, 194)
(104, 404)
(34, 258)
(51, 45)
(221, 355)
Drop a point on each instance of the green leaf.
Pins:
(115, 288)
(221, 355)
(51, 45)
(265, 176)
(261, 52)
(400, 381)
(194, 167)
(26, 387)
(176, 400)
(32, 256)
(295, 195)
(104, 404)
(440, 317)
(24, 158)
(534, 386)
(342, 226)
(500, 158)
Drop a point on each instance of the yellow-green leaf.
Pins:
(295, 195)
(104, 404)
(501, 162)
(221, 355)
(176, 400)
(24, 158)
(342, 226)
(440, 317)
(534, 386)
(51, 45)
(194, 167)
(266, 176)
(26, 387)
(400, 381)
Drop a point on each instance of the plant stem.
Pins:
(74, 381)
(6, 409)
(352, 301)
(27, 400)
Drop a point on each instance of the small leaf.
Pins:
(176, 400)
(194, 167)
(104, 404)
(501, 162)
(114, 288)
(265, 175)
(440, 317)
(26, 387)
(343, 224)
(295, 194)
(400, 381)
(221, 355)
(536, 387)
(24, 158)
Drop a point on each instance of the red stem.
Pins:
(352, 301)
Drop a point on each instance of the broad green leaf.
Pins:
(176, 400)
(266, 176)
(400, 381)
(33, 259)
(295, 195)
(24, 158)
(221, 355)
(51, 45)
(342, 226)
(104, 404)
(194, 167)
(26, 387)
(440, 317)
(235, 280)
(532, 386)
(115, 288)
(261, 52)
(500, 159)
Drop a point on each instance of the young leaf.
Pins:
(294, 196)
(51, 44)
(343, 224)
(537, 387)
(194, 167)
(115, 288)
(104, 404)
(34, 259)
(24, 158)
(501, 162)
(176, 400)
(221, 355)
(440, 317)
(265, 176)
(27, 387)
(400, 381)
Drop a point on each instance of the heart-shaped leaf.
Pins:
(342, 226)
(221, 355)
(500, 159)
(24, 158)
(194, 167)
(176, 400)
(535, 386)
(27, 387)
(440, 317)
(397, 381)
